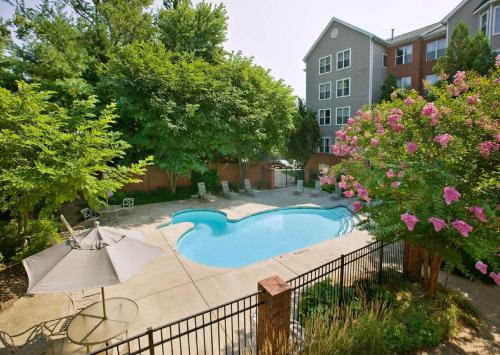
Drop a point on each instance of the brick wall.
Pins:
(319, 158)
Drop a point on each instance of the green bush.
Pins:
(210, 178)
(40, 235)
(155, 196)
(328, 188)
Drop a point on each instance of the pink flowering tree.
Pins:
(426, 172)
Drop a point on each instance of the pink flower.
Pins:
(482, 267)
(401, 174)
(485, 148)
(429, 110)
(362, 192)
(348, 194)
(438, 223)
(354, 140)
(479, 212)
(409, 220)
(463, 228)
(341, 135)
(471, 100)
(497, 59)
(395, 184)
(409, 101)
(356, 206)
(350, 121)
(443, 139)
(458, 77)
(450, 195)
(403, 165)
(394, 95)
(411, 147)
(373, 142)
(390, 174)
(496, 275)
(380, 129)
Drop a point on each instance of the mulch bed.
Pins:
(14, 283)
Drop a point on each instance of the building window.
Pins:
(344, 87)
(325, 64)
(384, 60)
(342, 114)
(344, 59)
(436, 49)
(404, 55)
(404, 82)
(324, 117)
(431, 78)
(496, 19)
(325, 91)
(483, 23)
(324, 146)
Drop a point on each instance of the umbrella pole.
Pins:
(103, 303)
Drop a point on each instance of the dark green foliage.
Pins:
(465, 53)
(387, 88)
(155, 196)
(210, 178)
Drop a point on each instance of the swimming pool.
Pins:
(217, 241)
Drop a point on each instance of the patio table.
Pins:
(110, 210)
(91, 327)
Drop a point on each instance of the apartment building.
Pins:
(346, 66)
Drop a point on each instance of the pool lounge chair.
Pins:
(317, 191)
(227, 192)
(202, 192)
(299, 188)
(248, 188)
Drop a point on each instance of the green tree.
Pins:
(387, 88)
(465, 53)
(51, 155)
(200, 30)
(304, 140)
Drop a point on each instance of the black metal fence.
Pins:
(226, 329)
(341, 279)
(231, 328)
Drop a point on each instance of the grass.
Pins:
(395, 318)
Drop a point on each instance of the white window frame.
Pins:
(319, 65)
(337, 59)
(404, 55)
(401, 80)
(319, 116)
(337, 116)
(495, 31)
(319, 91)
(322, 145)
(337, 87)
(435, 51)
(384, 55)
(487, 13)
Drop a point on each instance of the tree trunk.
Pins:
(432, 282)
(172, 178)
(412, 262)
(243, 172)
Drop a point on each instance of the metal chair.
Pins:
(89, 215)
(202, 192)
(128, 204)
(31, 341)
(71, 231)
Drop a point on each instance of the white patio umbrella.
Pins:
(100, 257)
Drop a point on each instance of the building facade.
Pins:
(346, 66)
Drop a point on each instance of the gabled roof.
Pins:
(481, 5)
(352, 27)
(420, 32)
(458, 7)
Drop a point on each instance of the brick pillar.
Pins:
(273, 326)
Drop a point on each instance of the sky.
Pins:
(278, 33)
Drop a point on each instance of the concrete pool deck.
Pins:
(172, 286)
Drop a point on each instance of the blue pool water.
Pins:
(218, 242)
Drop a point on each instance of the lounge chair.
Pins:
(299, 188)
(202, 191)
(128, 204)
(248, 188)
(227, 192)
(71, 231)
(317, 191)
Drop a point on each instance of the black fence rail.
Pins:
(226, 329)
(339, 280)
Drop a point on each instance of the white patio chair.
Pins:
(71, 231)
(31, 341)
(317, 191)
(128, 204)
(299, 188)
(89, 215)
(227, 192)
(202, 191)
(248, 187)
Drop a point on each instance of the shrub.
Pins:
(9, 240)
(155, 196)
(210, 178)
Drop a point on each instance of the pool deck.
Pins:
(173, 287)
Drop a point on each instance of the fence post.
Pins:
(380, 263)
(151, 343)
(273, 325)
(341, 285)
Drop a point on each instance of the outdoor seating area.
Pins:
(105, 213)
